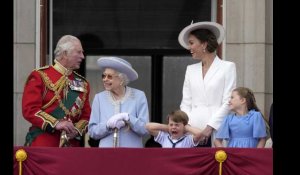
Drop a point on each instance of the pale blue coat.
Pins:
(103, 107)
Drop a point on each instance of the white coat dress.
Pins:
(206, 100)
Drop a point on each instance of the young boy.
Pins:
(177, 134)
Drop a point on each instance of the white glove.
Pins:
(112, 121)
(120, 124)
(121, 116)
(124, 116)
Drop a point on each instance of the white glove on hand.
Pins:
(112, 121)
(124, 116)
(121, 116)
(120, 124)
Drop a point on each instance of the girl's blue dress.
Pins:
(243, 131)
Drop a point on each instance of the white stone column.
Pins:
(249, 45)
(24, 61)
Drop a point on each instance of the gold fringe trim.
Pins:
(81, 126)
(57, 87)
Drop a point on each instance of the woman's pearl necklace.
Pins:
(121, 96)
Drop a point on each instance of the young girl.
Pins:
(245, 128)
(177, 134)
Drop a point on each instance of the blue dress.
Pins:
(243, 131)
(104, 106)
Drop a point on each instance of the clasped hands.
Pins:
(205, 134)
(117, 120)
(68, 126)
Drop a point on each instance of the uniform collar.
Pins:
(61, 69)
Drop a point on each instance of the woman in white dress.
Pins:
(208, 84)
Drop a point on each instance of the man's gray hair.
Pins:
(65, 43)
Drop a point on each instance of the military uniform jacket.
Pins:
(53, 93)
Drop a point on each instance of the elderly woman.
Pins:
(120, 113)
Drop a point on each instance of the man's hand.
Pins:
(72, 135)
(67, 126)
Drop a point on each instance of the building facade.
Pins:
(248, 43)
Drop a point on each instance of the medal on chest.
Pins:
(77, 85)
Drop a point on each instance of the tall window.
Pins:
(143, 32)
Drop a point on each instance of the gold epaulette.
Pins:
(80, 75)
(37, 69)
(42, 68)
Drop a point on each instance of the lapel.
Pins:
(198, 79)
(212, 70)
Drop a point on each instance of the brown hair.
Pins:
(249, 96)
(178, 116)
(251, 103)
(205, 35)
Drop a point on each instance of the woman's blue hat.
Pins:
(119, 65)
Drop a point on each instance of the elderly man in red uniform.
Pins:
(56, 99)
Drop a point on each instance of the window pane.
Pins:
(173, 76)
(134, 24)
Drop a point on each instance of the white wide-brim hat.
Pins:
(119, 65)
(215, 28)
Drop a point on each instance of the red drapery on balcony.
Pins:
(143, 161)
